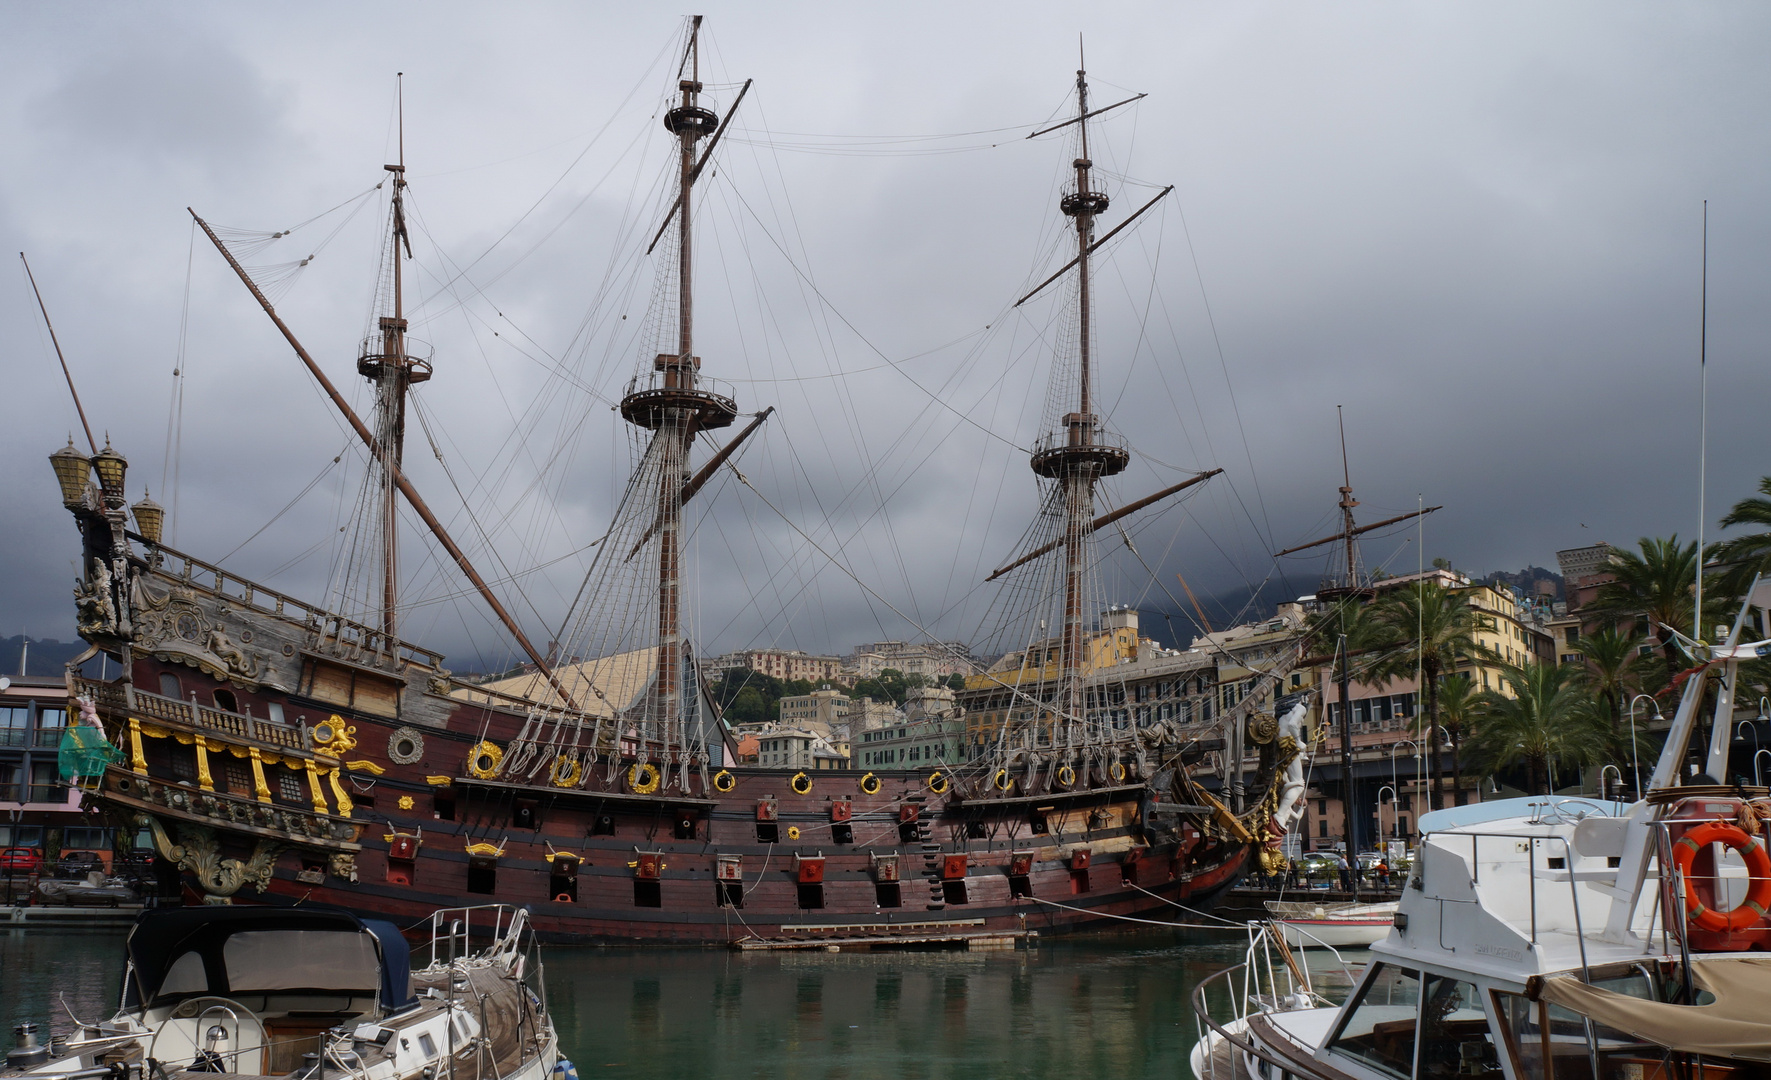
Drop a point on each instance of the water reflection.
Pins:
(1119, 1009)
(1075, 1010)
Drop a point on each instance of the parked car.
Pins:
(1322, 866)
(77, 864)
(20, 860)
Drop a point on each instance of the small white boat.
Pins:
(1343, 924)
(307, 993)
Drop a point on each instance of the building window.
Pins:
(14, 719)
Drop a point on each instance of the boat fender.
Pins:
(563, 1069)
(1758, 864)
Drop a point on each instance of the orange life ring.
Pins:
(1758, 865)
(563, 898)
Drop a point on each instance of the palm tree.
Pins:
(1548, 722)
(1750, 554)
(1610, 655)
(1435, 627)
(1656, 585)
(1458, 707)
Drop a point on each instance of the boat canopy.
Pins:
(228, 951)
(1733, 1025)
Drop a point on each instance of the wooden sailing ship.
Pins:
(279, 751)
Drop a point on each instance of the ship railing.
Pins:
(1534, 899)
(190, 714)
(324, 627)
(452, 931)
(1270, 978)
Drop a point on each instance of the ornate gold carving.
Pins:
(365, 766)
(406, 802)
(344, 866)
(483, 760)
(198, 853)
(259, 787)
(137, 760)
(339, 795)
(334, 737)
(438, 781)
(204, 780)
(313, 787)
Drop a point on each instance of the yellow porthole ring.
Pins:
(483, 760)
(801, 784)
(1066, 776)
(644, 779)
(937, 783)
(793, 832)
(566, 771)
(1117, 772)
(1002, 781)
(724, 781)
(870, 784)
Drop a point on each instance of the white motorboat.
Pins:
(309, 993)
(1546, 939)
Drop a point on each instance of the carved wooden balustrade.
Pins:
(112, 698)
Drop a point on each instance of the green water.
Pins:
(1075, 1010)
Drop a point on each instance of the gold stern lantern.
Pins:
(150, 517)
(110, 466)
(71, 470)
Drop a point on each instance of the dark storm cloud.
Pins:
(1476, 228)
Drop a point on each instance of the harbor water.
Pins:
(1117, 1007)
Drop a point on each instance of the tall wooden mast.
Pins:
(1076, 457)
(669, 403)
(385, 362)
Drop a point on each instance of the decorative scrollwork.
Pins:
(405, 746)
(483, 760)
(644, 778)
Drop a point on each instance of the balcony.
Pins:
(46, 738)
(189, 714)
(13, 736)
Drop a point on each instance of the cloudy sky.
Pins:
(1477, 227)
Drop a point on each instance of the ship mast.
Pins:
(387, 365)
(1077, 457)
(669, 403)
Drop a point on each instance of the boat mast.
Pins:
(1078, 458)
(670, 404)
(386, 364)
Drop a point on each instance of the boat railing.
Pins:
(191, 714)
(334, 633)
(452, 931)
(1257, 985)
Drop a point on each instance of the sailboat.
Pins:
(279, 751)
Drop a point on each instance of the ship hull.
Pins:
(402, 827)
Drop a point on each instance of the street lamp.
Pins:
(1395, 786)
(1395, 819)
(1614, 769)
(1757, 782)
(1635, 759)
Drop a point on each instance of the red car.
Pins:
(20, 860)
